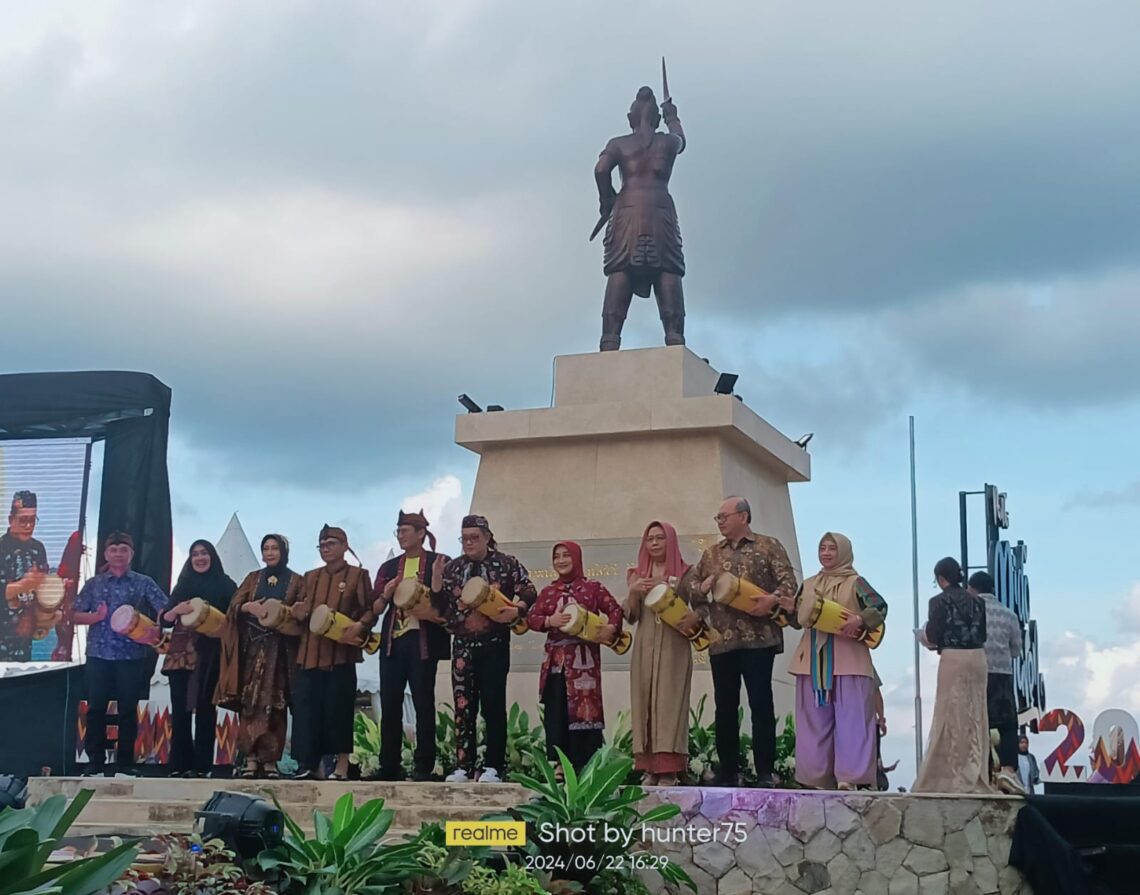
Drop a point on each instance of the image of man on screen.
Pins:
(23, 566)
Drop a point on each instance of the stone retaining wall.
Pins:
(795, 842)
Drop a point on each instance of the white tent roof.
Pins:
(237, 556)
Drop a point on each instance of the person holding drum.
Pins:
(661, 670)
(325, 701)
(118, 665)
(745, 616)
(259, 653)
(23, 571)
(499, 592)
(836, 741)
(570, 682)
(193, 661)
(413, 641)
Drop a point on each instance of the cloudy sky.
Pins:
(319, 222)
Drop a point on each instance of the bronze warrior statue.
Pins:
(642, 241)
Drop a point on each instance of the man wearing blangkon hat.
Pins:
(117, 667)
(412, 644)
(481, 647)
(326, 683)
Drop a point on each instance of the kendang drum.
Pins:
(487, 599)
(830, 617)
(329, 623)
(411, 594)
(129, 622)
(671, 609)
(587, 625)
(740, 594)
(204, 618)
(49, 596)
(275, 616)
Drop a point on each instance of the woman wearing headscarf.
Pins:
(570, 683)
(192, 663)
(836, 742)
(661, 667)
(958, 751)
(257, 662)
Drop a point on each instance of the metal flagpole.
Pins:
(917, 619)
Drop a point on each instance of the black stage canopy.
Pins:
(130, 412)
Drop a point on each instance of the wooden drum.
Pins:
(48, 596)
(127, 621)
(487, 599)
(829, 617)
(275, 616)
(740, 594)
(587, 625)
(329, 623)
(671, 609)
(204, 619)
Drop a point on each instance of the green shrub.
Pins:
(28, 836)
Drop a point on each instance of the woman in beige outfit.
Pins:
(661, 670)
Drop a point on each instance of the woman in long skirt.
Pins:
(661, 667)
(192, 664)
(257, 662)
(958, 751)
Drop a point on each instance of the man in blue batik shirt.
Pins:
(116, 666)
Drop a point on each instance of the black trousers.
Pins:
(119, 680)
(322, 713)
(479, 681)
(1001, 705)
(578, 745)
(401, 669)
(754, 666)
(192, 742)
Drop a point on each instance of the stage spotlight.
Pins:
(246, 823)
(726, 383)
(803, 440)
(492, 408)
(13, 791)
(471, 406)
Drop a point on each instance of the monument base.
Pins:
(631, 437)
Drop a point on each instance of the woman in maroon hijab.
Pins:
(570, 684)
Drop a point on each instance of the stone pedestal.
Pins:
(632, 436)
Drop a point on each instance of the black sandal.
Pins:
(337, 778)
(272, 774)
(248, 773)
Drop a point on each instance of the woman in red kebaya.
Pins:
(570, 684)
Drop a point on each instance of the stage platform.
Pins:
(732, 841)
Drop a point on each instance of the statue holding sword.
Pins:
(643, 240)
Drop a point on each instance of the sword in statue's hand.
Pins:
(601, 223)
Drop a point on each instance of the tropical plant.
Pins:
(523, 743)
(623, 742)
(786, 753)
(28, 836)
(345, 855)
(366, 746)
(599, 805)
(191, 867)
(702, 744)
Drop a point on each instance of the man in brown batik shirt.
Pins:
(325, 700)
(744, 644)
